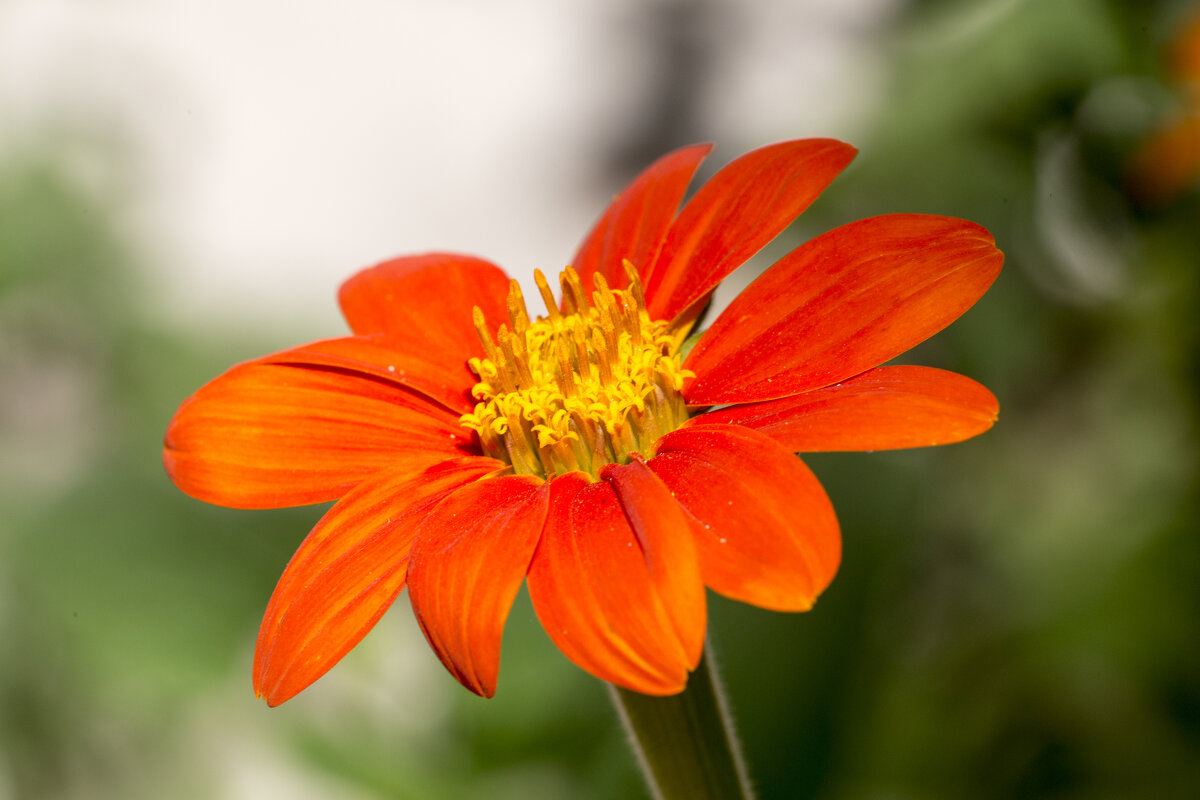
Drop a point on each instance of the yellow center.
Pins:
(580, 388)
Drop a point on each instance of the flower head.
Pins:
(472, 447)
(1166, 164)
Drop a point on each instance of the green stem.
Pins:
(685, 743)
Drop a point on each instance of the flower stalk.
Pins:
(685, 743)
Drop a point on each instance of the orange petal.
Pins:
(841, 304)
(882, 409)
(347, 573)
(446, 383)
(634, 225)
(593, 592)
(661, 529)
(744, 206)
(765, 531)
(470, 558)
(268, 435)
(424, 303)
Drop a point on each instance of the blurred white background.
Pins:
(283, 145)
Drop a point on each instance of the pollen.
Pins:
(586, 385)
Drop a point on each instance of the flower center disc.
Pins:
(580, 388)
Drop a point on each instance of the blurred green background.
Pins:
(1016, 616)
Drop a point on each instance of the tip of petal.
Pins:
(273, 698)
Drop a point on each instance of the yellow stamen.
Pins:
(601, 348)
(564, 369)
(518, 315)
(635, 283)
(506, 369)
(545, 409)
(582, 362)
(482, 332)
(510, 345)
(573, 289)
(547, 296)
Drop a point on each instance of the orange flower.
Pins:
(471, 448)
(1167, 162)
